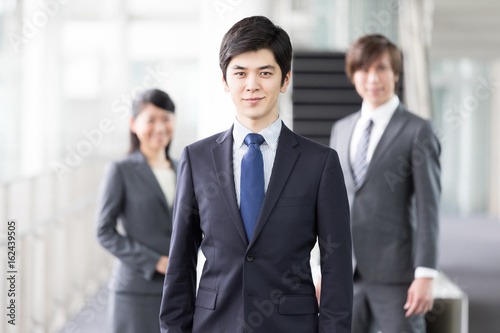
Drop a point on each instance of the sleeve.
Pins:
(125, 248)
(426, 179)
(424, 272)
(179, 290)
(334, 236)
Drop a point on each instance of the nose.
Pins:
(373, 76)
(252, 83)
(159, 126)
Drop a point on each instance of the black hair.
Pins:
(253, 34)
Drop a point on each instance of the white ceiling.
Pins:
(466, 29)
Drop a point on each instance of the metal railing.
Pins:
(58, 265)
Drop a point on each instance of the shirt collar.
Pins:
(271, 133)
(383, 113)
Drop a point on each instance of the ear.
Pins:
(224, 83)
(286, 82)
(396, 78)
(132, 125)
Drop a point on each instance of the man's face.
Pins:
(375, 83)
(254, 81)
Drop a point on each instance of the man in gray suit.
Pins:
(390, 160)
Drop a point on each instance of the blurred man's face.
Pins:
(254, 81)
(375, 83)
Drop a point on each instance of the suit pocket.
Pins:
(206, 299)
(298, 305)
(392, 224)
(293, 201)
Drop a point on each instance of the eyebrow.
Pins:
(260, 68)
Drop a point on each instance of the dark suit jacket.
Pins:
(130, 192)
(394, 212)
(264, 285)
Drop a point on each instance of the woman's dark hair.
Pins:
(368, 49)
(253, 34)
(159, 99)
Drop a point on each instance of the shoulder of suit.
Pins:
(307, 144)
(348, 118)
(127, 160)
(415, 120)
(208, 142)
(114, 167)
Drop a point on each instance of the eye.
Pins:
(239, 74)
(266, 73)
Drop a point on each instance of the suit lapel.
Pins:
(222, 156)
(285, 159)
(393, 129)
(144, 170)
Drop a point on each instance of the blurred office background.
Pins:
(69, 70)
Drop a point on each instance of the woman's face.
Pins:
(154, 127)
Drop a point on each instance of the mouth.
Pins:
(253, 100)
(374, 91)
(159, 137)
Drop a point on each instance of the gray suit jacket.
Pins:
(130, 193)
(394, 212)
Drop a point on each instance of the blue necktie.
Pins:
(252, 183)
(360, 164)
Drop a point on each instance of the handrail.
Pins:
(55, 251)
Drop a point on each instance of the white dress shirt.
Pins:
(268, 148)
(380, 117)
(167, 179)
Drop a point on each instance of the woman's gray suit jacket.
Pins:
(131, 194)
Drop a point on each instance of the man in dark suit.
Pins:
(256, 211)
(390, 159)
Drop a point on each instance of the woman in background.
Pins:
(139, 191)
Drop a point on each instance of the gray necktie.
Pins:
(360, 164)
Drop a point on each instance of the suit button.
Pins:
(250, 258)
